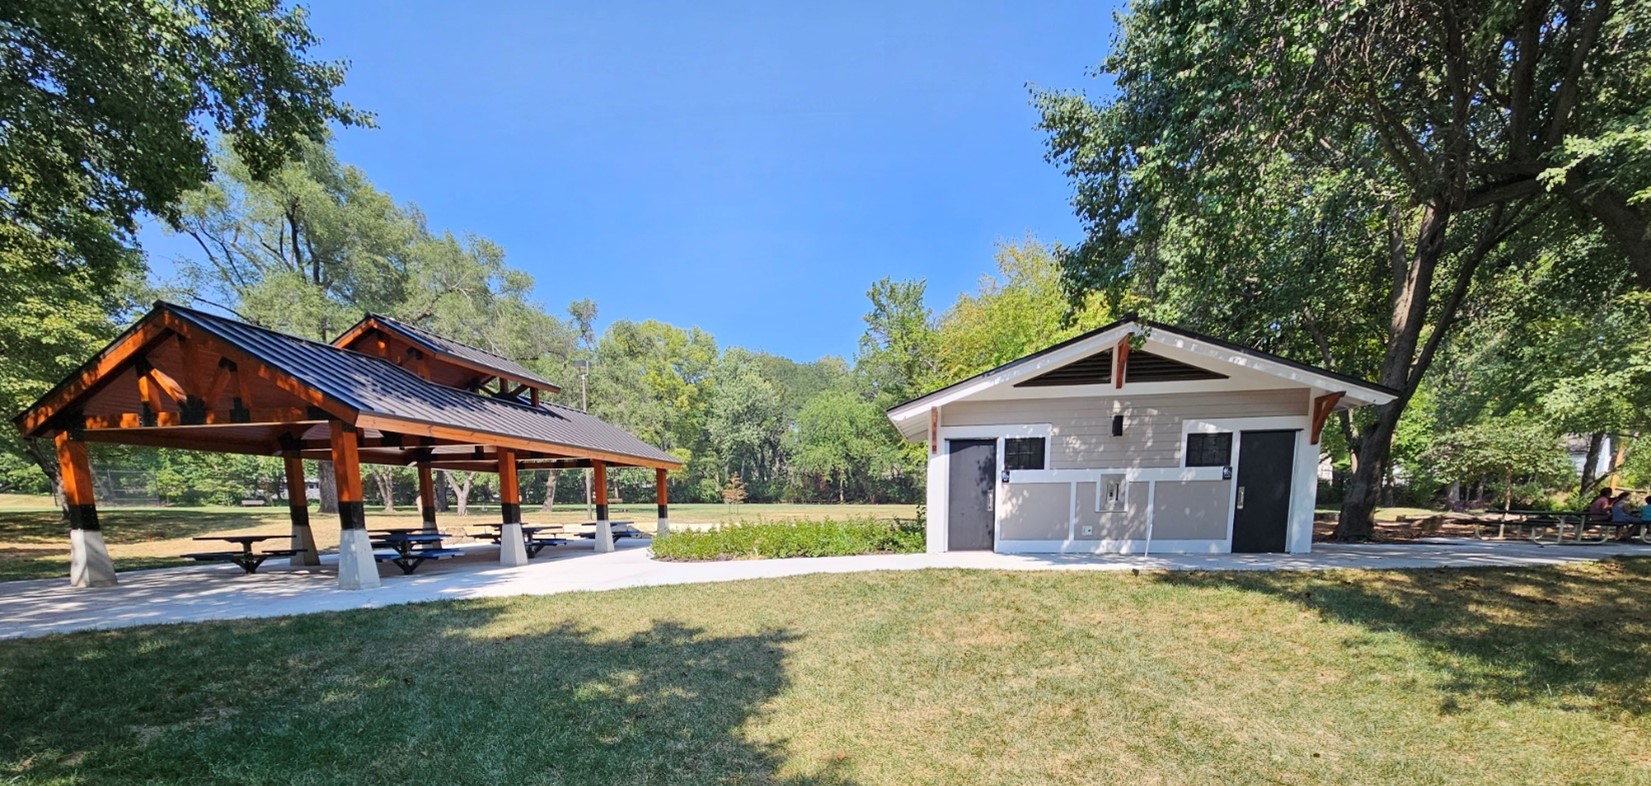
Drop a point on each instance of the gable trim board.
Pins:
(1245, 367)
(1158, 503)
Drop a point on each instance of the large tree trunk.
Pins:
(329, 487)
(44, 455)
(1590, 464)
(550, 491)
(386, 479)
(1364, 486)
(461, 490)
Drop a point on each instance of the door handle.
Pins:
(1240, 504)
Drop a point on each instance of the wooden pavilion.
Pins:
(384, 393)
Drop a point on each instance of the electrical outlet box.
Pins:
(1088, 529)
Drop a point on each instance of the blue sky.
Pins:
(749, 168)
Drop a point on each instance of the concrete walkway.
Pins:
(218, 592)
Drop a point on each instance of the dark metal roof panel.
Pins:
(481, 357)
(374, 385)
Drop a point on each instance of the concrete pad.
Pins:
(217, 592)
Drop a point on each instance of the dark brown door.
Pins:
(971, 494)
(1261, 519)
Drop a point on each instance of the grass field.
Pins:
(1538, 676)
(33, 543)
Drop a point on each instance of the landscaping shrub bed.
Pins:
(812, 538)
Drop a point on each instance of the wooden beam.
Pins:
(346, 462)
(298, 500)
(1120, 360)
(74, 470)
(510, 490)
(1322, 407)
(186, 438)
(93, 375)
(599, 480)
(221, 377)
(533, 396)
(249, 366)
(193, 382)
(427, 495)
(135, 420)
(165, 382)
(468, 436)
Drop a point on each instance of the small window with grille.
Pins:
(1209, 450)
(1023, 453)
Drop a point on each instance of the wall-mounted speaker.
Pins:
(1117, 425)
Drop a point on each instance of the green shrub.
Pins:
(815, 538)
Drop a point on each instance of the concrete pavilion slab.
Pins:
(198, 594)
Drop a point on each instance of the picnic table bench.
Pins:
(246, 558)
(407, 549)
(1535, 526)
(531, 540)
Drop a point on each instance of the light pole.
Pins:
(584, 406)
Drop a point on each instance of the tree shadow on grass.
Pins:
(473, 692)
(1509, 635)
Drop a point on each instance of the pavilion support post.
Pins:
(427, 496)
(89, 562)
(664, 526)
(298, 507)
(512, 546)
(356, 567)
(604, 530)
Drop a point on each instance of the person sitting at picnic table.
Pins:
(1600, 509)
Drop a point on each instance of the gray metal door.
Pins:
(972, 493)
(1261, 521)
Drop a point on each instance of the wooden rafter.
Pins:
(1322, 407)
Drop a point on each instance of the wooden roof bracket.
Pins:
(1322, 407)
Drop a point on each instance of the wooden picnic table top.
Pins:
(246, 541)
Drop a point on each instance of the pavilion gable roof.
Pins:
(367, 390)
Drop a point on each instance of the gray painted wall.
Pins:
(1081, 428)
(1081, 438)
(1191, 510)
(1035, 511)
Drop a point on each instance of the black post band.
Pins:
(662, 511)
(352, 515)
(83, 517)
(602, 511)
(512, 512)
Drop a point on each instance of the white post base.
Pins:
(303, 542)
(663, 527)
(356, 567)
(89, 563)
(604, 536)
(512, 548)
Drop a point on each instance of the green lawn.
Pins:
(939, 677)
(34, 543)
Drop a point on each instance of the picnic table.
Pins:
(530, 536)
(1536, 524)
(246, 558)
(409, 548)
(620, 529)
